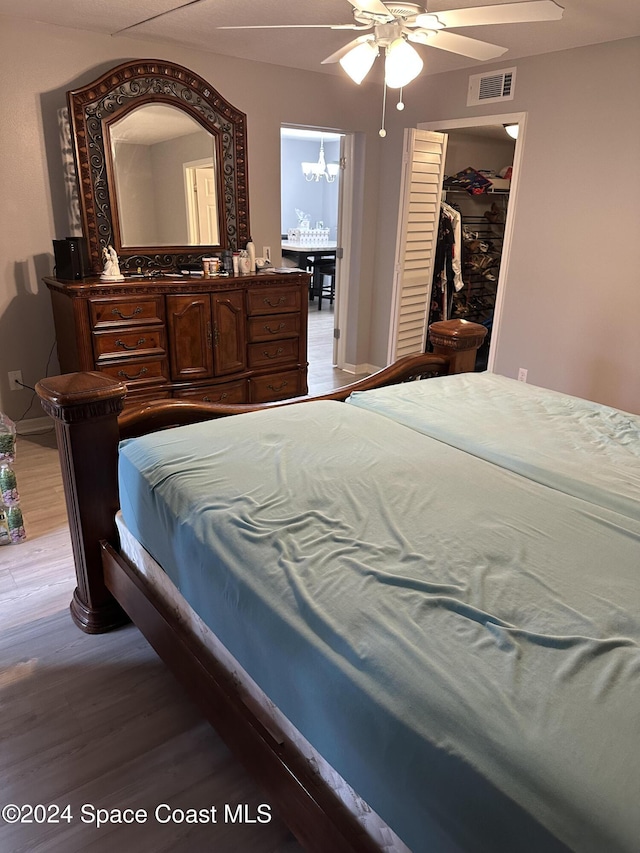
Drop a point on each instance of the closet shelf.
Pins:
(478, 195)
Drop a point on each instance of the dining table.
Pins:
(311, 257)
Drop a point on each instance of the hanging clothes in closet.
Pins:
(447, 275)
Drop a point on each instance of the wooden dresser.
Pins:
(223, 340)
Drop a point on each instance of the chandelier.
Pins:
(321, 169)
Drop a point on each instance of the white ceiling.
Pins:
(195, 24)
(153, 123)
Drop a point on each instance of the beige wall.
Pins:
(467, 149)
(40, 63)
(573, 294)
(572, 300)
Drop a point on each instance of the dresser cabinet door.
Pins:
(190, 336)
(229, 337)
(206, 334)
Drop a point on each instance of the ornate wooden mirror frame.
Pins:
(93, 108)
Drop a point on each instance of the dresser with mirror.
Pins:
(161, 160)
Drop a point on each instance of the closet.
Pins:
(471, 228)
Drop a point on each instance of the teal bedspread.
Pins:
(574, 445)
(460, 642)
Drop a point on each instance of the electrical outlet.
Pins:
(522, 374)
(15, 380)
(266, 253)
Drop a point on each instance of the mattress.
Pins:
(577, 446)
(461, 643)
(271, 717)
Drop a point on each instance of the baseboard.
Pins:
(34, 425)
(360, 369)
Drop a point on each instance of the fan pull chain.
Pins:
(400, 104)
(382, 132)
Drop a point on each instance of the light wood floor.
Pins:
(97, 719)
(322, 375)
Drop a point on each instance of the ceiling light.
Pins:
(512, 130)
(402, 64)
(357, 63)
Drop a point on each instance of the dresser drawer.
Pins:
(124, 343)
(138, 372)
(145, 395)
(273, 300)
(227, 392)
(131, 311)
(273, 327)
(276, 386)
(273, 353)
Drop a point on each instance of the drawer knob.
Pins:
(282, 385)
(122, 344)
(137, 375)
(274, 331)
(118, 313)
(207, 399)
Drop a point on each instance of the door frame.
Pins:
(344, 256)
(519, 118)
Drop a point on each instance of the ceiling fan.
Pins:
(390, 26)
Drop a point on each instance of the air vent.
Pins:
(491, 87)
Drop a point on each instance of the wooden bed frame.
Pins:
(86, 408)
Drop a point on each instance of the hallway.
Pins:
(323, 376)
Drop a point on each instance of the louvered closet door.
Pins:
(422, 175)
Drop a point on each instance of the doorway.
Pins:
(202, 202)
(314, 194)
(484, 143)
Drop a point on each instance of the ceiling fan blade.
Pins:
(337, 56)
(294, 27)
(508, 13)
(465, 46)
(374, 7)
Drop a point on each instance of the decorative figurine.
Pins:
(111, 271)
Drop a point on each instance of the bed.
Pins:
(446, 617)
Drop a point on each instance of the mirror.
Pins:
(165, 178)
(161, 163)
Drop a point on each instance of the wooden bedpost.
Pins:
(85, 408)
(459, 341)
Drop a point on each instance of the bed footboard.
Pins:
(311, 810)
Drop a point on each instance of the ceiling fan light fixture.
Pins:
(357, 63)
(402, 64)
(512, 130)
